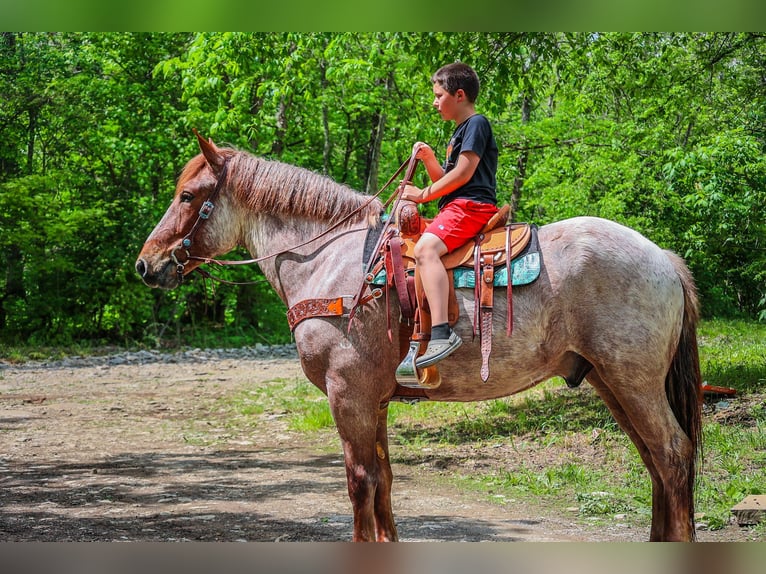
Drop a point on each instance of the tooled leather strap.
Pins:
(477, 284)
(331, 307)
(486, 303)
(396, 268)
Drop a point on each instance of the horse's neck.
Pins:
(329, 266)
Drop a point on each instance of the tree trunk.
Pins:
(373, 155)
(31, 129)
(278, 145)
(521, 162)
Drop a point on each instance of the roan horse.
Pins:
(608, 303)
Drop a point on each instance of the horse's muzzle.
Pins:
(157, 277)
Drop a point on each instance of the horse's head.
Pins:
(194, 226)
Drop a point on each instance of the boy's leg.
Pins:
(428, 252)
(458, 222)
(433, 275)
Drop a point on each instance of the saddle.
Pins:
(495, 246)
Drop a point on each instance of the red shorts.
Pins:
(460, 221)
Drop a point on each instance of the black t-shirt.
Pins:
(474, 134)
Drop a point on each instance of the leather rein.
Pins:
(185, 245)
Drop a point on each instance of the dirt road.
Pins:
(111, 452)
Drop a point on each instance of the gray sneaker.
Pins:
(438, 349)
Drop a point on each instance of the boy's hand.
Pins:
(413, 193)
(422, 151)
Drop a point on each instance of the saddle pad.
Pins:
(524, 270)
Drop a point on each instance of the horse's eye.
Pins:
(186, 197)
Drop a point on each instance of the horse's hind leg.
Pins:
(658, 499)
(672, 452)
(665, 449)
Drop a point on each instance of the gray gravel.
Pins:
(190, 355)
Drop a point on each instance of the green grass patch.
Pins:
(733, 354)
(301, 403)
(21, 354)
(733, 467)
(238, 415)
(568, 451)
(543, 411)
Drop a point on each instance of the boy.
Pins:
(465, 187)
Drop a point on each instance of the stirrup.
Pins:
(409, 375)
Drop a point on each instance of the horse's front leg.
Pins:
(362, 430)
(385, 527)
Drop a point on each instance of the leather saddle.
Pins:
(496, 246)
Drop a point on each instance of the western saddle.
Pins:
(497, 245)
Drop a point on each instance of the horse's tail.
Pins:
(683, 383)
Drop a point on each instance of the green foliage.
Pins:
(722, 190)
(660, 131)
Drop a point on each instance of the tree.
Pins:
(86, 106)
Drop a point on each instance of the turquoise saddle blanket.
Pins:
(524, 270)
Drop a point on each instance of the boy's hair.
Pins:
(458, 76)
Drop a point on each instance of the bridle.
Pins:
(185, 245)
(204, 214)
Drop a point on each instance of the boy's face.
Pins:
(448, 104)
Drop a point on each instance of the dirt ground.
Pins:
(108, 453)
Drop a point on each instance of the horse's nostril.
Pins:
(141, 267)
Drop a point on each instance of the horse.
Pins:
(610, 307)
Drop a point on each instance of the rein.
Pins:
(207, 208)
(385, 233)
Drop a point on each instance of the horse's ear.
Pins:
(210, 151)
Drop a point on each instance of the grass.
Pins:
(733, 354)
(237, 415)
(568, 453)
(301, 404)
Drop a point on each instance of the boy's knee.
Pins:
(429, 245)
(420, 253)
(425, 250)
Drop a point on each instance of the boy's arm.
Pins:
(426, 154)
(449, 182)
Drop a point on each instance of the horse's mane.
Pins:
(282, 189)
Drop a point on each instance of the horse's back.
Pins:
(602, 239)
(603, 254)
